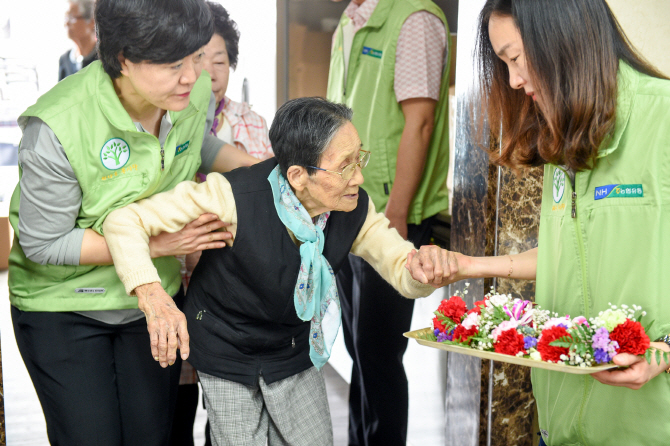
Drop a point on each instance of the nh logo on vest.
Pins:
(367, 51)
(619, 191)
(115, 154)
(182, 148)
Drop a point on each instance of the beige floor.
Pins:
(25, 423)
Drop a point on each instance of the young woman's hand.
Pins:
(165, 322)
(435, 266)
(202, 233)
(638, 371)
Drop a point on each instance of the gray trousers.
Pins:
(291, 412)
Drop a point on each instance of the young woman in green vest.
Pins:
(570, 93)
(131, 125)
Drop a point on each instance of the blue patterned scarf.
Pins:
(315, 294)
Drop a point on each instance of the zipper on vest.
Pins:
(162, 159)
(199, 315)
(292, 342)
(572, 176)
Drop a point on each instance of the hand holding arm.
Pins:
(439, 267)
(128, 229)
(201, 233)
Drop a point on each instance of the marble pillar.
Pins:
(494, 212)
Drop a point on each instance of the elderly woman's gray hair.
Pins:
(86, 8)
(303, 128)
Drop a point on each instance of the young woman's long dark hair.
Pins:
(572, 50)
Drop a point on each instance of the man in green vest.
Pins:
(389, 64)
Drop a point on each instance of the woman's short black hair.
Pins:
(227, 29)
(302, 130)
(156, 31)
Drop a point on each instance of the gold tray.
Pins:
(505, 358)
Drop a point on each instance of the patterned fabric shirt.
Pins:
(249, 129)
(420, 54)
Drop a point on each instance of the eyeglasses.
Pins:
(72, 19)
(349, 170)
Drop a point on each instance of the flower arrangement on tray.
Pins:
(520, 328)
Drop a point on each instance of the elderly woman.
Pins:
(234, 122)
(263, 313)
(133, 124)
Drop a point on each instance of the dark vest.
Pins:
(239, 307)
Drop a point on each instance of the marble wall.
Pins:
(494, 212)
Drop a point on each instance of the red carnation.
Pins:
(461, 334)
(454, 308)
(631, 338)
(439, 325)
(509, 342)
(478, 307)
(549, 352)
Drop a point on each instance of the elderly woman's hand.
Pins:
(434, 265)
(165, 323)
(201, 233)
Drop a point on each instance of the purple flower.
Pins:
(601, 356)
(445, 336)
(603, 348)
(529, 341)
(600, 339)
(562, 325)
(436, 332)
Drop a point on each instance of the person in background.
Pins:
(81, 30)
(389, 64)
(263, 313)
(233, 121)
(237, 124)
(569, 92)
(132, 124)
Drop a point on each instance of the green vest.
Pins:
(616, 249)
(115, 165)
(378, 116)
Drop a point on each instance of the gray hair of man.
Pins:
(86, 8)
(302, 130)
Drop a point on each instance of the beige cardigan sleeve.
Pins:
(127, 230)
(384, 249)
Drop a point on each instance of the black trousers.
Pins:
(97, 383)
(374, 317)
(184, 415)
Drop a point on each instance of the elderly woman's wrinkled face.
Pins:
(327, 191)
(217, 65)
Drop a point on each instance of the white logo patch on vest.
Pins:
(559, 185)
(115, 154)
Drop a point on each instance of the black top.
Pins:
(239, 307)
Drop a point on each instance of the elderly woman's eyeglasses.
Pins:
(349, 170)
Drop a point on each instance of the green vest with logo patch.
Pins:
(378, 116)
(115, 165)
(610, 242)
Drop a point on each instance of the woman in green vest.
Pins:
(126, 127)
(570, 93)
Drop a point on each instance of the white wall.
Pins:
(257, 22)
(647, 25)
